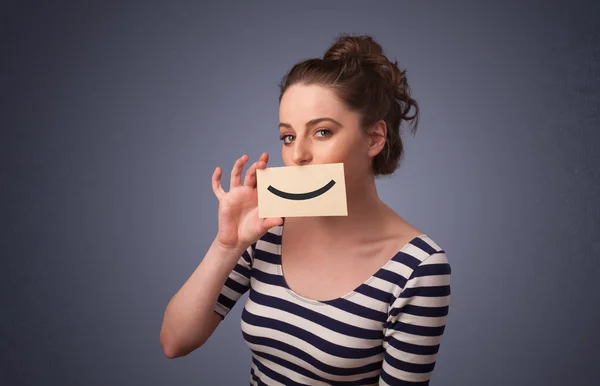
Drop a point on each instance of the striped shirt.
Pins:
(386, 332)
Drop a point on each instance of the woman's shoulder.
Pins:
(427, 245)
(417, 244)
(427, 258)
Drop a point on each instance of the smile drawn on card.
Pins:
(301, 196)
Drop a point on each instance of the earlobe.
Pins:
(377, 138)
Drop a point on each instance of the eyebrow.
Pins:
(312, 122)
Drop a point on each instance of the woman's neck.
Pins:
(365, 211)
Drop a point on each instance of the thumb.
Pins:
(271, 222)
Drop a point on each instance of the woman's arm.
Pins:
(416, 324)
(189, 318)
(193, 313)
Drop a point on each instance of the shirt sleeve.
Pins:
(236, 284)
(415, 324)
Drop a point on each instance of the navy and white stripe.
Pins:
(386, 332)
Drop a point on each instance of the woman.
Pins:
(360, 299)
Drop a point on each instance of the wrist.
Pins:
(227, 249)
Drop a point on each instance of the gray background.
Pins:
(114, 116)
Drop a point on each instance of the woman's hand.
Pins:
(239, 225)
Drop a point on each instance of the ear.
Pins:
(376, 138)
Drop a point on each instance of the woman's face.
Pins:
(317, 128)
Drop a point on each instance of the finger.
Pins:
(271, 222)
(261, 165)
(262, 161)
(236, 172)
(250, 179)
(216, 183)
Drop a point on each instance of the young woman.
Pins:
(361, 299)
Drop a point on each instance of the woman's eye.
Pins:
(286, 138)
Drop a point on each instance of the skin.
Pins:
(316, 127)
(328, 142)
(313, 246)
(371, 233)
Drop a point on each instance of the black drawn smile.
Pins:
(301, 196)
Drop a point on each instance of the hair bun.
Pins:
(353, 47)
(357, 51)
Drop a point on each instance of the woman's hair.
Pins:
(356, 69)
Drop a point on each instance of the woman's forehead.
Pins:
(302, 103)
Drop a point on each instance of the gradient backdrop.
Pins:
(114, 117)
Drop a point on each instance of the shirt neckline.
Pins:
(345, 296)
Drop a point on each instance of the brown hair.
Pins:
(357, 70)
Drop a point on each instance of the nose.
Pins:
(302, 153)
